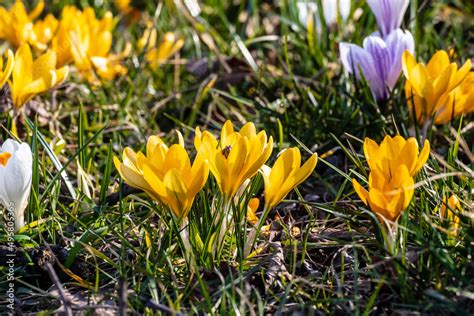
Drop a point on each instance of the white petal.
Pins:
(344, 9)
(16, 180)
(330, 11)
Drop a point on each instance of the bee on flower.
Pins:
(236, 157)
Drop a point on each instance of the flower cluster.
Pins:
(167, 175)
(79, 37)
(438, 91)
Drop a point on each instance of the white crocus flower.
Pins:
(16, 162)
(331, 8)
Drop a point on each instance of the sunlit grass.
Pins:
(322, 249)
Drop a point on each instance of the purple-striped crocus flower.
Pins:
(388, 13)
(380, 60)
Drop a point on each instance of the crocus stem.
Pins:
(424, 130)
(226, 221)
(184, 235)
(254, 232)
(19, 222)
(389, 232)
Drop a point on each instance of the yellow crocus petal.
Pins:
(227, 130)
(423, 157)
(408, 155)
(37, 10)
(152, 143)
(180, 138)
(285, 175)
(458, 76)
(176, 193)
(262, 158)
(408, 63)
(37, 86)
(158, 156)
(154, 182)
(130, 176)
(197, 138)
(438, 63)
(43, 65)
(199, 175)
(22, 69)
(252, 208)
(33, 77)
(177, 158)
(235, 162)
(371, 150)
(248, 130)
(418, 79)
(441, 83)
(284, 167)
(6, 72)
(398, 142)
(378, 202)
(361, 192)
(306, 169)
(167, 48)
(61, 74)
(409, 191)
(129, 157)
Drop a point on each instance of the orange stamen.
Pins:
(4, 158)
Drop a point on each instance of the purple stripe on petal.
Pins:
(356, 59)
(388, 13)
(380, 60)
(397, 42)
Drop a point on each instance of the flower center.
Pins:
(4, 158)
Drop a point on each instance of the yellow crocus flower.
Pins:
(169, 46)
(458, 102)
(16, 24)
(175, 180)
(157, 55)
(71, 19)
(393, 152)
(44, 31)
(32, 77)
(427, 85)
(252, 208)
(87, 40)
(5, 73)
(166, 174)
(447, 212)
(286, 174)
(236, 157)
(387, 197)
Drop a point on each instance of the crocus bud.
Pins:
(16, 163)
